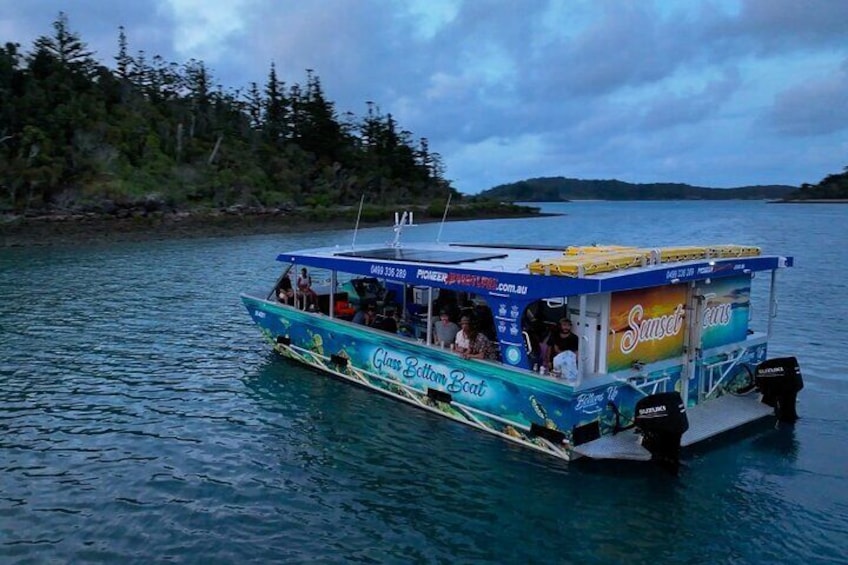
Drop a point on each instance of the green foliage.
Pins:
(832, 187)
(558, 189)
(73, 132)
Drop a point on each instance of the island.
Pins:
(152, 147)
(561, 189)
(831, 189)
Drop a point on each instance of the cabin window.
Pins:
(540, 319)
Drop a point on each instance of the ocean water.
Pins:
(143, 419)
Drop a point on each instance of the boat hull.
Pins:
(538, 412)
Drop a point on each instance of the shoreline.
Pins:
(814, 201)
(69, 230)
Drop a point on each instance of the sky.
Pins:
(715, 93)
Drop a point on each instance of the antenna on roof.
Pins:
(359, 215)
(400, 222)
(445, 215)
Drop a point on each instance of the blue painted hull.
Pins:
(490, 396)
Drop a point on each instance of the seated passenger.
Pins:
(447, 301)
(389, 323)
(304, 287)
(470, 343)
(485, 321)
(365, 315)
(285, 292)
(444, 331)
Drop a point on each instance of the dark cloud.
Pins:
(691, 107)
(506, 90)
(813, 107)
(778, 25)
(629, 45)
(147, 26)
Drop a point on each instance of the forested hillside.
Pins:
(557, 189)
(76, 134)
(832, 187)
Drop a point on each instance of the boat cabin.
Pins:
(582, 342)
(637, 313)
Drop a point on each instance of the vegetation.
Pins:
(78, 136)
(559, 189)
(832, 187)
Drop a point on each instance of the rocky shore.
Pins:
(140, 225)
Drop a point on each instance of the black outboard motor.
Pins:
(662, 421)
(779, 381)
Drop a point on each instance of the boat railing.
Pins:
(718, 374)
(647, 385)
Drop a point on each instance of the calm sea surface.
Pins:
(143, 419)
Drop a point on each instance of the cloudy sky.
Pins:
(714, 93)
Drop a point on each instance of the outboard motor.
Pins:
(662, 421)
(779, 381)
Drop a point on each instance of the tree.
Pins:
(832, 187)
(276, 109)
(122, 59)
(72, 130)
(67, 48)
(319, 130)
(11, 86)
(198, 82)
(253, 106)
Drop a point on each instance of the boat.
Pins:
(665, 356)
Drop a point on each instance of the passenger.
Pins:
(447, 302)
(285, 292)
(561, 340)
(389, 323)
(405, 329)
(304, 287)
(444, 331)
(485, 321)
(535, 337)
(365, 315)
(470, 343)
(545, 332)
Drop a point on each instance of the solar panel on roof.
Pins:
(522, 247)
(421, 255)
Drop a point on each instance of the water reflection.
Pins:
(781, 442)
(143, 418)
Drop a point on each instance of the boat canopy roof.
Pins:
(524, 272)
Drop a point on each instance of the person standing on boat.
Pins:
(470, 343)
(304, 287)
(444, 330)
(561, 341)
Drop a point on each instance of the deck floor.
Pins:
(705, 421)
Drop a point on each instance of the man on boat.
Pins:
(444, 330)
(304, 287)
(561, 341)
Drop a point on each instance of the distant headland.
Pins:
(833, 188)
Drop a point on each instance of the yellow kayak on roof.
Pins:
(592, 259)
